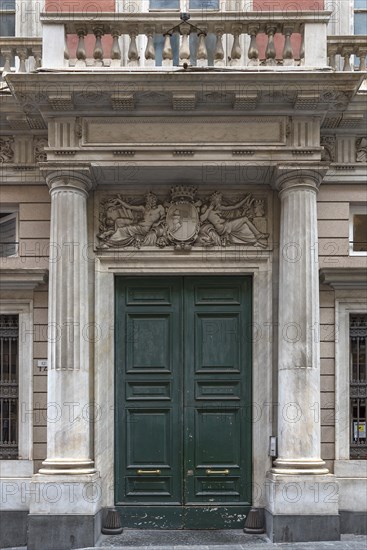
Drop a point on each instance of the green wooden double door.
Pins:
(183, 401)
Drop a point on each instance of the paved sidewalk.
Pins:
(213, 540)
(216, 540)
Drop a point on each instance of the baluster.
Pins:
(332, 51)
(7, 54)
(253, 51)
(81, 54)
(133, 54)
(361, 52)
(201, 52)
(236, 51)
(270, 52)
(288, 57)
(219, 50)
(185, 47)
(37, 54)
(346, 53)
(115, 49)
(302, 48)
(98, 49)
(150, 49)
(22, 54)
(66, 56)
(167, 57)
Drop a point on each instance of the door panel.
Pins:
(148, 402)
(183, 382)
(217, 384)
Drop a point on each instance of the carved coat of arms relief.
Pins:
(182, 221)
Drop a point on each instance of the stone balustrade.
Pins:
(342, 48)
(20, 54)
(133, 40)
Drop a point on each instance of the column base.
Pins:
(65, 494)
(302, 508)
(67, 467)
(62, 532)
(296, 467)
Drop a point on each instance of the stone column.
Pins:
(299, 482)
(299, 320)
(66, 493)
(68, 433)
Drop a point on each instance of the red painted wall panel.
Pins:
(285, 6)
(89, 43)
(79, 5)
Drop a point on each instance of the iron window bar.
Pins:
(358, 386)
(9, 389)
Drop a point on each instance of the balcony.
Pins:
(20, 54)
(252, 41)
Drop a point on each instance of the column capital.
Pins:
(69, 177)
(303, 177)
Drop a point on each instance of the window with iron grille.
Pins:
(9, 369)
(358, 385)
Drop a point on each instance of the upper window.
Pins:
(183, 5)
(360, 16)
(8, 234)
(164, 4)
(7, 17)
(358, 385)
(358, 230)
(8, 387)
(204, 4)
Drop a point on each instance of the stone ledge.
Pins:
(344, 277)
(22, 279)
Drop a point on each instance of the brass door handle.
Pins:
(142, 472)
(215, 472)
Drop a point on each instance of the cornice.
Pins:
(22, 279)
(83, 92)
(344, 277)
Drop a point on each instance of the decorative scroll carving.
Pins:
(361, 149)
(182, 221)
(6, 149)
(329, 144)
(40, 154)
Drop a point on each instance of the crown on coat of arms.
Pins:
(183, 192)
